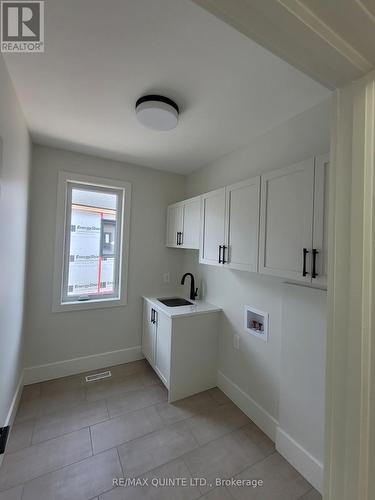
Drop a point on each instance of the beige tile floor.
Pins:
(71, 438)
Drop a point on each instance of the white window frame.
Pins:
(62, 220)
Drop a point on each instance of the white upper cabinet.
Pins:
(230, 226)
(183, 224)
(174, 224)
(192, 218)
(212, 227)
(320, 233)
(292, 222)
(276, 224)
(286, 221)
(242, 225)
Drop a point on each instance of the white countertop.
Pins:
(198, 307)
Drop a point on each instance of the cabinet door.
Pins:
(163, 347)
(148, 334)
(191, 230)
(242, 225)
(320, 233)
(286, 221)
(174, 224)
(212, 226)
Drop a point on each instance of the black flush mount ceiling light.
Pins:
(157, 112)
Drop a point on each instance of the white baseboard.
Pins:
(40, 373)
(310, 468)
(13, 407)
(15, 401)
(251, 408)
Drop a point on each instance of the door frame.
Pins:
(350, 377)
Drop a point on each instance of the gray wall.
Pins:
(61, 336)
(256, 367)
(14, 176)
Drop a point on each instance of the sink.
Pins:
(175, 302)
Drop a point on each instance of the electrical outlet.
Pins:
(236, 342)
(166, 278)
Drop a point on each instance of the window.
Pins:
(92, 239)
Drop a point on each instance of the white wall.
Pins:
(14, 180)
(254, 371)
(290, 142)
(54, 337)
(302, 378)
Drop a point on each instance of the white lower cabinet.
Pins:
(148, 333)
(182, 350)
(162, 362)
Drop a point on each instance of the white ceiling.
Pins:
(330, 40)
(102, 55)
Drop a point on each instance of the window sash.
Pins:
(93, 297)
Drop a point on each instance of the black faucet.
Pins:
(193, 290)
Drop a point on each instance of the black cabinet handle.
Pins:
(305, 252)
(179, 238)
(314, 274)
(223, 260)
(153, 316)
(220, 247)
